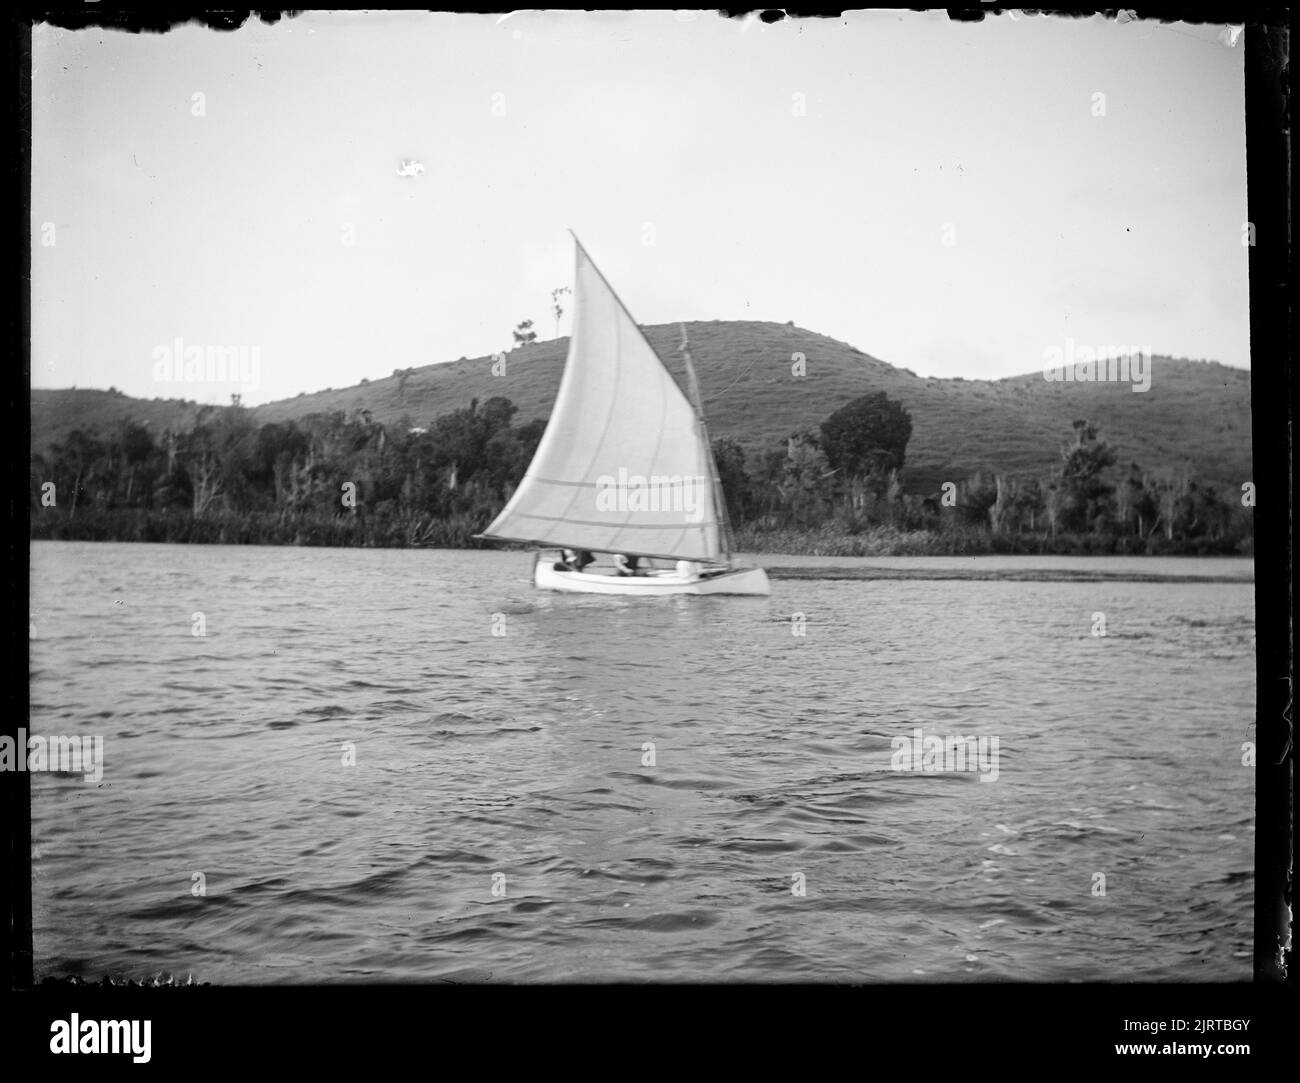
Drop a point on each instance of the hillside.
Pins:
(1196, 416)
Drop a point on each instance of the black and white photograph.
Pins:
(623, 498)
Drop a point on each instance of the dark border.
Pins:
(1269, 202)
(871, 1026)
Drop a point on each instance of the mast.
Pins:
(719, 497)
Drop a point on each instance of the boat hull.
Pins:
(751, 581)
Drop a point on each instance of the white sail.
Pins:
(623, 466)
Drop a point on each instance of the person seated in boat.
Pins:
(573, 560)
(688, 569)
(627, 564)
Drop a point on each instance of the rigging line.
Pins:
(719, 497)
(738, 378)
(733, 382)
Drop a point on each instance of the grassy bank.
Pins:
(402, 532)
(257, 528)
(888, 541)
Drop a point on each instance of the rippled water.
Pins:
(516, 760)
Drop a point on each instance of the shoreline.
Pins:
(996, 575)
(993, 568)
(362, 532)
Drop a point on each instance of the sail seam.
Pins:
(560, 543)
(665, 527)
(665, 481)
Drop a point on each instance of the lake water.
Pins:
(503, 820)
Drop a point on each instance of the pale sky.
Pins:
(243, 189)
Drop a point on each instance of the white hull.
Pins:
(739, 581)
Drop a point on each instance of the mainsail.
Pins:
(623, 466)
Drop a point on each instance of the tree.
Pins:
(1052, 500)
(1202, 513)
(279, 447)
(85, 458)
(1170, 491)
(805, 479)
(497, 412)
(999, 510)
(865, 441)
(524, 333)
(1083, 482)
(135, 441)
(557, 308)
(201, 458)
(978, 497)
(729, 457)
(1027, 503)
(135, 448)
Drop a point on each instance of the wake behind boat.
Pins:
(624, 468)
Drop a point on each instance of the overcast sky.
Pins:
(952, 198)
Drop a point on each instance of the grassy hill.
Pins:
(1196, 416)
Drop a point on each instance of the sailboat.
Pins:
(624, 467)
